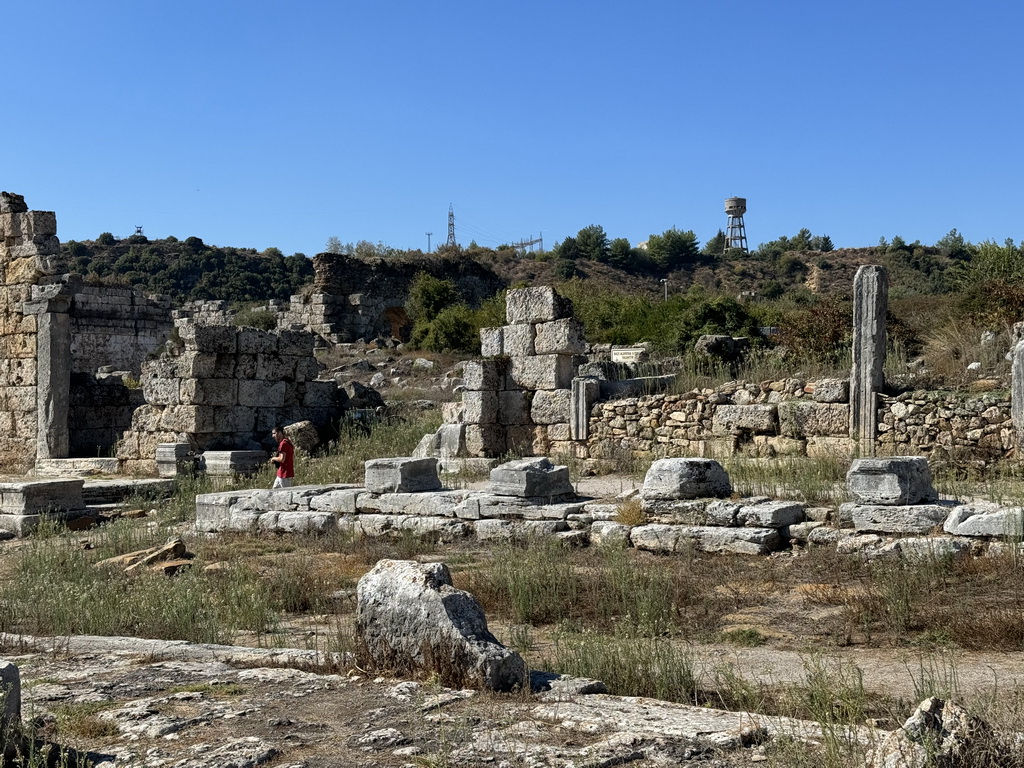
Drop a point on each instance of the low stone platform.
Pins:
(76, 467)
(23, 504)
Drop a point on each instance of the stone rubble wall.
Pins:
(224, 389)
(792, 417)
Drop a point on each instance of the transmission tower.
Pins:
(451, 226)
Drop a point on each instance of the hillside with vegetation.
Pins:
(943, 297)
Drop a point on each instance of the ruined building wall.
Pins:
(361, 298)
(113, 326)
(224, 389)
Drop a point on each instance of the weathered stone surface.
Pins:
(883, 518)
(480, 375)
(986, 520)
(531, 477)
(734, 419)
(831, 391)
(430, 504)
(691, 511)
(560, 337)
(542, 372)
(895, 480)
(667, 539)
(606, 533)
(535, 305)
(867, 377)
(487, 505)
(938, 733)
(401, 475)
(34, 497)
(481, 407)
(486, 440)
(685, 479)
(802, 419)
(228, 463)
(924, 549)
(517, 530)
(514, 408)
(492, 342)
(766, 513)
(518, 340)
(410, 617)
(552, 407)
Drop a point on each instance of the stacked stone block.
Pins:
(518, 398)
(28, 243)
(225, 390)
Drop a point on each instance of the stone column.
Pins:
(1017, 391)
(867, 377)
(53, 369)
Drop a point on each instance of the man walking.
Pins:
(284, 459)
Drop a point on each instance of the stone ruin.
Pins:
(223, 389)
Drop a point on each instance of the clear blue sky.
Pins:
(258, 124)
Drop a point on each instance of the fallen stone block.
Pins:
(531, 477)
(10, 694)
(605, 533)
(668, 539)
(986, 520)
(410, 618)
(766, 513)
(685, 479)
(894, 481)
(401, 475)
(517, 530)
(231, 463)
(879, 518)
(691, 511)
(35, 497)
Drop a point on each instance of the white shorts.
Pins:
(282, 482)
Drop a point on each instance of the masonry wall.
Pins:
(120, 327)
(792, 417)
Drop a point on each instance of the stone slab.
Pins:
(401, 475)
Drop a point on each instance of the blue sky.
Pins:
(258, 124)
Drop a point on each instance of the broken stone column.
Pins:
(867, 377)
(585, 392)
(50, 305)
(1017, 391)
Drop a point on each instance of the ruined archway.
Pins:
(393, 323)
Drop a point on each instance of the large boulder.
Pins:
(686, 479)
(412, 620)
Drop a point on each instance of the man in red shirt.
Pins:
(284, 459)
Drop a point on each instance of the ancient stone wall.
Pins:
(362, 298)
(794, 417)
(116, 326)
(225, 388)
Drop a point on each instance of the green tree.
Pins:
(953, 246)
(715, 247)
(620, 254)
(428, 295)
(592, 243)
(333, 245)
(673, 249)
(567, 249)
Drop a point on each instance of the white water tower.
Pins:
(735, 233)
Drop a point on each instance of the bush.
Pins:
(255, 317)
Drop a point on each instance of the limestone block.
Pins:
(423, 504)
(452, 441)
(895, 480)
(799, 418)
(494, 529)
(274, 367)
(187, 418)
(606, 533)
(541, 371)
(209, 338)
(38, 223)
(552, 407)
(195, 365)
(173, 459)
(691, 511)
(535, 305)
(307, 369)
(484, 505)
(34, 497)
(480, 407)
(484, 375)
(925, 549)
(530, 477)
(492, 342)
(335, 499)
(209, 392)
(230, 463)
(453, 413)
(409, 616)
(766, 513)
(486, 440)
(668, 539)
(885, 518)
(559, 433)
(236, 419)
(245, 367)
(401, 475)
(440, 529)
(518, 340)
(560, 337)
(686, 479)
(18, 346)
(733, 419)
(252, 341)
(513, 407)
(224, 366)
(258, 392)
(295, 343)
(18, 399)
(10, 695)
(986, 520)
(787, 446)
(832, 391)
